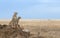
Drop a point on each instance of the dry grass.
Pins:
(47, 29)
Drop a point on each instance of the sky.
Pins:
(30, 9)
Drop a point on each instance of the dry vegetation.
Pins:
(47, 29)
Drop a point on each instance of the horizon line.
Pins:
(32, 19)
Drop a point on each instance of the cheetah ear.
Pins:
(20, 17)
(15, 13)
